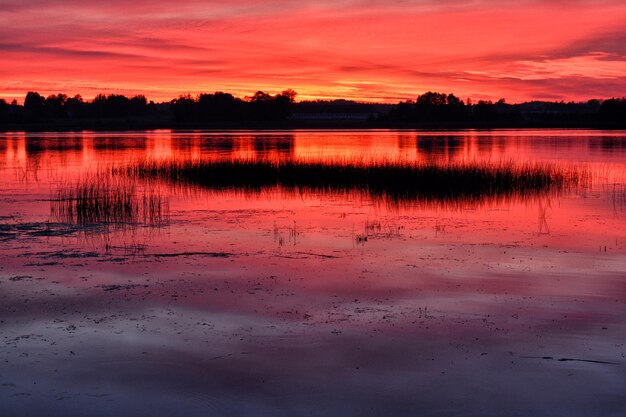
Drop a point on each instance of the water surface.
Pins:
(293, 301)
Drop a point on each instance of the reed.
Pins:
(390, 180)
(103, 199)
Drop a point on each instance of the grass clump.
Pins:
(103, 199)
(405, 181)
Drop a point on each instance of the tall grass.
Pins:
(103, 199)
(391, 180)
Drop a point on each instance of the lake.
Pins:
(325, 292)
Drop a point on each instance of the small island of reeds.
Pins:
(394, 181)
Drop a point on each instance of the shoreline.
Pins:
(295, 128)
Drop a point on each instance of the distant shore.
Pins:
(281, 112)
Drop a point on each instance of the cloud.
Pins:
(612, 44)
(66, 53)
(378, 49)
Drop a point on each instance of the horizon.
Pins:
(247, 97)
(363, 50)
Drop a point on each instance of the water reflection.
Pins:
(609, 144)
(38, 164)
(319, 146)
(368, 278)
(446, 148)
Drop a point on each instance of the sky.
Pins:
(368, 50)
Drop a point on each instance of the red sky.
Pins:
(372, 50)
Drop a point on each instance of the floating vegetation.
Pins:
(103, 199)
(392, 181)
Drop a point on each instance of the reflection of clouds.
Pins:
(286, 331)
(173, 360)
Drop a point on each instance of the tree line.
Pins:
(224, 107)
(218, 107)
(431, 109)
(439, 109)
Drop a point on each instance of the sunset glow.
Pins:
(370, 50)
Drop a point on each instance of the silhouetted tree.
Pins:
(284, 104)
(261, 97)
(223, 107)
(484, 111)
(431, 100)
(75, 107)
(118, 106)
(4, 111)
(613, 111)
(431, 108)
(54, 106)
(183, 108)
(34, 107)
(403, 112)
(260, 106)
(436, 107)
(220, 107)
(289, 94)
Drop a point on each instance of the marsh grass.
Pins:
(394, 181)
(101, 199)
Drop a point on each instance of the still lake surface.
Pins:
(287, 302)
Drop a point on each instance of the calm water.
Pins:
(284, 302)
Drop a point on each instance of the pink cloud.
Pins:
(370, 50)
